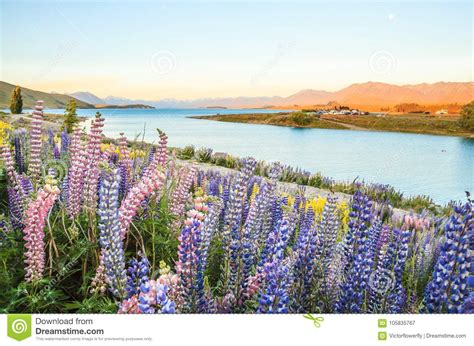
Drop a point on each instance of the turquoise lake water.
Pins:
(439, 166)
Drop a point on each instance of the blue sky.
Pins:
(208, 49)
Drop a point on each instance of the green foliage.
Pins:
(204, 155)
(16, 104)
(417, 203)
(317, 180)
(71, 116)
(301, 118)
(187, 153)
(467, 117)
(216, 257)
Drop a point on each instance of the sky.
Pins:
(155, 50)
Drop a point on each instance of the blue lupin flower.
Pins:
(137, 274)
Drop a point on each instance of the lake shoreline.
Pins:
(372, 156)
(352, 123)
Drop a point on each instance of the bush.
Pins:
(187, 153)
(301, 118)
(204, 155)
(467, 117)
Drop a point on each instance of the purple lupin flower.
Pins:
(231, 231)
(209, 228)
(269, 200)
(326, 231)
(449, 288)
(137, 274)
(396, 298)
(187, 265)
(251, 234)
(154, 299)
(64, 142)
(34, 166)
(305, 258)
(355, 247)
(16, 208)
(19, 139)
(110, 238)
(278, 276)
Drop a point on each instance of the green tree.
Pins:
(467, 116)
(301, 118)
(16, 104)
(71, 116)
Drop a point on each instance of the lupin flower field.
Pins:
(98, 225)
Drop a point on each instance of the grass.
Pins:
(411, 123)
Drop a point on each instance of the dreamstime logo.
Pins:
(19, 326)
(382, 62)
(382, 281)
(163, 62)
(282, 49)
(56, 169)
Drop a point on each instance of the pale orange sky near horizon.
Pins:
(186, 51)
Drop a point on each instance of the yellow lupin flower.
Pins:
(291, 200)
(137, 153)
(343, 209)
(255, 191)
(104, 146)
(317, 204)
(4, 129)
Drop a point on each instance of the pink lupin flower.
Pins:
(12, 174)
(171, 281)
(107, 153)
(123, 147)
(8, 160)
(135, 196)
(15, 180)
(93, 155)
(76, 173)
(129, 306)
(99, 282)
(34, 166)
(180, 194)
(34, 231)
(161, 155)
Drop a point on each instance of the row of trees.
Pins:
(16, 107)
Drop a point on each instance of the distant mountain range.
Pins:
(361, 95)
(87, 97)
(369, 96)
